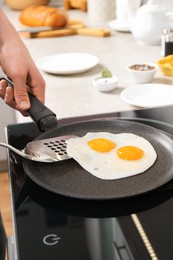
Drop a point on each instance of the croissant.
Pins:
(43, 16)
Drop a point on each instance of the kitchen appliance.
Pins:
(51, 226)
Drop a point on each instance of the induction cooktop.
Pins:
(48, 226)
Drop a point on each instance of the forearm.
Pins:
(8, 35)
(6, 29)
(18, 65)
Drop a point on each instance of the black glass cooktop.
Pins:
(48, 226)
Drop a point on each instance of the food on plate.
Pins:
(112, 156)
(43, 16)
(21, 4)
(106, 81)
(106, 73)
(76, 4)
(141, 73)
(166, 65)
(141, 67)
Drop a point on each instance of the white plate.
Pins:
(118, 26)
(148, 95)
(67, 63)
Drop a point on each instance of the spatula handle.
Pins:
(44, 118)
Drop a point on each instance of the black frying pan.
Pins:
(69, 179)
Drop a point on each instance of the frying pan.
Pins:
(69, 179)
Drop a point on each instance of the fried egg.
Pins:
(111, 156)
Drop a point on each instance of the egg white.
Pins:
(109, 166)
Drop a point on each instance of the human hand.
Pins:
(19, 67)
(22, 71)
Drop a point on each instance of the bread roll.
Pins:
(43, 16)
(21, 4)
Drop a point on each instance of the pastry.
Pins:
(43, 16)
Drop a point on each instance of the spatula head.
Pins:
(49, 150)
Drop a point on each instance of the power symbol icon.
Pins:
(51, 240)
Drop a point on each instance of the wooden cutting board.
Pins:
(73, 27)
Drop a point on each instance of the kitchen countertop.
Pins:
(74, 95)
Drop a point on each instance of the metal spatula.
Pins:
(46, 150)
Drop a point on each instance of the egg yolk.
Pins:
(102, 145)
(130, 153)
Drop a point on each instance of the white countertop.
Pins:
(70, 96)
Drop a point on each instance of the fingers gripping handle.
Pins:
(41, 115)
(44, 118)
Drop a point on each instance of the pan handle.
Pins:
(44, 118)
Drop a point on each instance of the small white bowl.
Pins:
(142, 72)
(105, 84)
